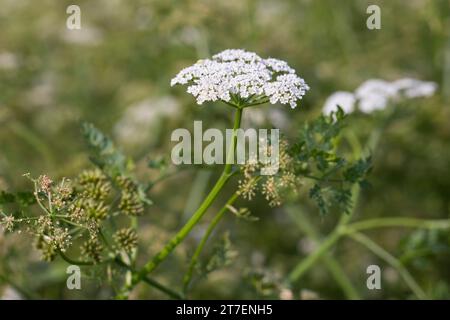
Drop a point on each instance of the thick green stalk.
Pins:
(188, 276)
(190, 224)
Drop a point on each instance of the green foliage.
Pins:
(23, 199)
(357, 172)
(104, 153)
(159, 163)
(422, 247)
(104, 74)
(243, 213)
(263, 282)
(317, 158)
(6, 198)
(222, 255)
(110, 160)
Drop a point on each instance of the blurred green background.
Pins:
(116, 70)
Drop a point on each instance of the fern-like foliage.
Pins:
(316, 157)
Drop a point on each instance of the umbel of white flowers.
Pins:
(375, 94)
(238, 76)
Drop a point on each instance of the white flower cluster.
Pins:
(244, 75)
(375, 94)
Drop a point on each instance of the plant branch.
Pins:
(393, 261)
(397, 222)
(335, 235)
(185, 230)
(171, 293)
(74, 262)
(188, 276)
(330, 262)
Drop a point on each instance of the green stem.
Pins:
(74, 262)
(38, 201)
(168, 248)
(171, 293)
(340, 277)
(188, 276)
(257, 103)
(310, 260)
(398, 222)
(335, 235)
(330, 262)
(190, 224)
(393, 261)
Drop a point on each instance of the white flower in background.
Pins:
(413, 88)
(375, 87)
(346, 100)
(376, 94)
(236, 73)
(140, 119)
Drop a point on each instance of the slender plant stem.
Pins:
(352, 229)
(171, 293)
(397, 222)
(330, 262)
(230, 104)
(257, 103)
(168, 248)
(38, 201)
(341, 278)
(188, 276)
(336, 234)
(393, 261)
(190, 224)
(74, 262)
(310, 260)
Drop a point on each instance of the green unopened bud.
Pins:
(131, 205)
(126, 239)
(92, 250)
